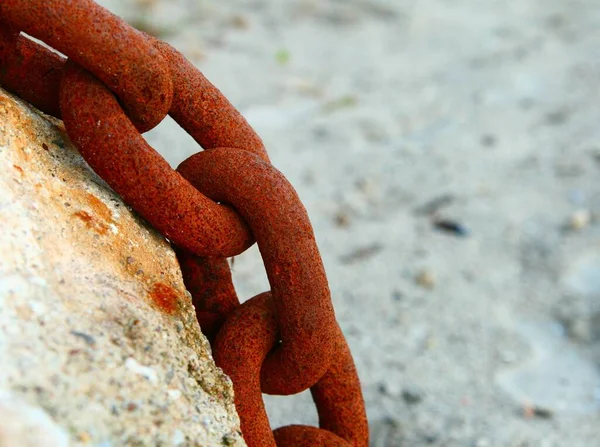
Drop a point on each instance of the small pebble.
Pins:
(397, 295)
(239, 22)
(229, 439)
(580, 219)
(543, 413)
(341, 219)
(366, 186)
(85, 337)
(450, 226)
(145, 371)
(85, 437)
(412, 395)
(535, 411)
(425, 279)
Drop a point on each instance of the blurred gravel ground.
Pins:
(387, 115)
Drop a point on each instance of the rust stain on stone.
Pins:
(165, 297)
(99, 207)
(101, 217)
(91, 222)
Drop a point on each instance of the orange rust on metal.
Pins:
(203, 111)
(305, 436)
(290, 254)
(164, 297)
(339, 399)
(113, 147)
(240, 350)
(30, 70)
(209, 282)
(130, 66)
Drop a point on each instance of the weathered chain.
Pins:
(214, 206)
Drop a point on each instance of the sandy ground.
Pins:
(387, 115)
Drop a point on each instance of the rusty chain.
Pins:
(118, 82)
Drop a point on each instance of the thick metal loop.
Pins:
(117, 152)
(30, 70)
(305, 436)
(203, 111)
(240, 349)
(130, 66)
(340, 405)
(34, 73)
(209, 282)
(280, 224)
(338, 397)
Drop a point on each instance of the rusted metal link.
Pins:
(203, 111)
(130, 65)
(305, 436)
(209, 282)
(280, 224)
(30, 70)
(34, 73)
(338, 397)
(219, 232)
(241, 348)
(113, 147)
(212, 121)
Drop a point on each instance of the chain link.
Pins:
(246, 340)
(130, 66)
(213, 206)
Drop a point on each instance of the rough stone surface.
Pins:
(98, 340)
